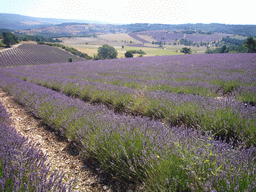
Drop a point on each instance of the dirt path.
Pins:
(14, 46)
(57, 150)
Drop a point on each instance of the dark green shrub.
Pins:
(128, 54)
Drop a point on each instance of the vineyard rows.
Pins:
(32, 54)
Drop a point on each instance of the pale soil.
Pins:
(58, 150)
(14, 46)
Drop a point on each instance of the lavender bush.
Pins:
(150, 153)
(207, 92)
(22, 166)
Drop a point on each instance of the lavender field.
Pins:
(168, 36)
(22, 166)
(167, 123)
(32, 54)
(152, 154)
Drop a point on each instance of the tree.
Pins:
(107, 52)
(9, 39)
(128, 54)
(250, 44)
(186, 50)
(224, 49)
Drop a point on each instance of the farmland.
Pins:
(131, 41)
(32, 54)
(165, 123)
(171, 36)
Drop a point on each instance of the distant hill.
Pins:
(244, 30)
(69, 27)
(21, 22)
(73, 29)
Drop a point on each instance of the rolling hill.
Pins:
(33, 54)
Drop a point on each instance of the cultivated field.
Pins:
(166, 123)
(33, 54)
(89, 45)
(171, 36)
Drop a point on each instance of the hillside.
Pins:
(72, 29)
(20, 22)
(69, 27)
(244, 30)
(33, 54)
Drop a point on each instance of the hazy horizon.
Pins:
(136, 11)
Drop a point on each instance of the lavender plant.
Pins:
(22, 166)
(154, 155)
(208, 92)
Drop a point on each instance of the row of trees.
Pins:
(248, 46)
(38, 38)
(10, 38)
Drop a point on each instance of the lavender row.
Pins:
(150, 153)
(215, 75)
(32, 54)
(222, 115)
(22, 166)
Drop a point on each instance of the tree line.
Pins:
(9, 38)
(235, 46)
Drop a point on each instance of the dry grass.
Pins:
(89, 51)
(147, 37)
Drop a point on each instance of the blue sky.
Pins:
(138, 11)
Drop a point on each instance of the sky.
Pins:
(138, 11)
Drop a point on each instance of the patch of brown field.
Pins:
(89, 51)
(147, 37)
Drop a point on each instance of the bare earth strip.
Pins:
(14, 46)
(50, 144)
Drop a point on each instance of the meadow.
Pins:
(164, 123)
